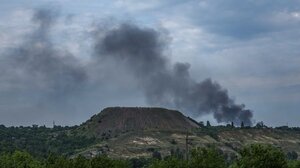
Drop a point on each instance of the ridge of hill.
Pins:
(116, 120)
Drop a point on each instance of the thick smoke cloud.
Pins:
(51, 76)
(36, 64)
(142, 51)
(40, 83)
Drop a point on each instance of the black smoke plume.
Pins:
(37, 72)
(142, 51)
(36, 64)
(39, 82)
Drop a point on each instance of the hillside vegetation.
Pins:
(143, 132)
(256, 155)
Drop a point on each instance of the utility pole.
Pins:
(187, 146)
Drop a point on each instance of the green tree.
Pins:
(208, 123)
(177, 153)
(206, 158)
(294, 164)
(81, 162)
(292, 155)
(101, 162)
(6, 161)
(261, 156)
(260, 124)
(201, 124)
(140, 162)
(105, 162)
(54, 161)
(19, 160)
(156, 155)
(242, 125)
(170, 162)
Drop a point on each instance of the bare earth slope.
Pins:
(115, 120)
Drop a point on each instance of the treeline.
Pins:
(253, 156)
(40, 140)
(258, 125)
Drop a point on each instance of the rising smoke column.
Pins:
(37, 65)
(141, 50)
(39, 82)
(39, 70)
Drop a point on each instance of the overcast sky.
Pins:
(250, 47)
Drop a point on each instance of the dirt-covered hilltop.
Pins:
(118, 120)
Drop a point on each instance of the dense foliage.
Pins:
(253, 156)
(206, 158)
(54, 148)
(25, 160)
(40, 141)
(261, 156)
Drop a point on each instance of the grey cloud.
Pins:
(243, 19)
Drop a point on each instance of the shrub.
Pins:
(206, 158)
(261, 156)
(170, 162)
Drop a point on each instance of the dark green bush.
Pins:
(261, 156)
